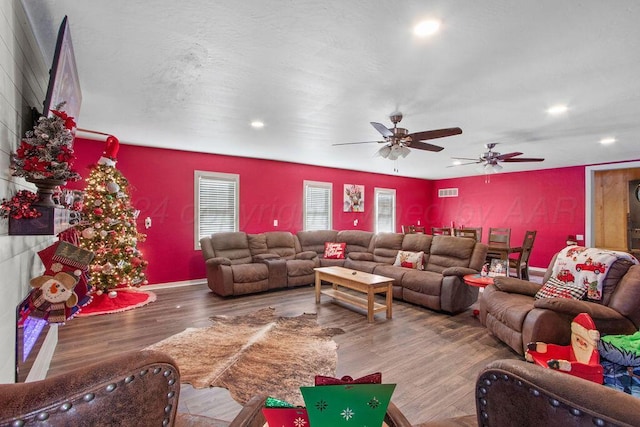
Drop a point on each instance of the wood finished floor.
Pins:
(433, 358)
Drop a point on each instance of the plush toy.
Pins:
(52, 296)
(580, 358)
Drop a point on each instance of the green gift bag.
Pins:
(347, 405)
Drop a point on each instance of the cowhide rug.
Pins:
(256, 353)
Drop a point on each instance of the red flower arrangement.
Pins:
(19, 206)
(46, 152)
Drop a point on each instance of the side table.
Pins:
(478, 281)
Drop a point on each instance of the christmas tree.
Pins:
(109, 227)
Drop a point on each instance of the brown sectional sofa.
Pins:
(239, 263)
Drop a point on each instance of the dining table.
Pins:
(502, 250)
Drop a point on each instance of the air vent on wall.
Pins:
(448, 192)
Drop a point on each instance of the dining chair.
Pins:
(441, 231)
(521, 264)
(420, 229)
(408, 229)
(498, 236)
(469, 232)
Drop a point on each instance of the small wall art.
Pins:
(353, 198)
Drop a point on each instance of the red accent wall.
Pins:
(162, 187)
(551, 201)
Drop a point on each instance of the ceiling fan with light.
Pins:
(491, 159)
(398, 141)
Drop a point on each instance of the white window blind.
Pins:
(216, 203)
(385, 210)
(317, 205)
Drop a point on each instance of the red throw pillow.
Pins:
(334, 250)
(408, 264)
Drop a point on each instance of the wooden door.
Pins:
(611, 205)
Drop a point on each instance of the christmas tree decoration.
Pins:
(109, 227)
(46, 152)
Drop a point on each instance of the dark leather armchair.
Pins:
(516, 393)
(131, 389)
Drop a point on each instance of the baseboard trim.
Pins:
(169, 285)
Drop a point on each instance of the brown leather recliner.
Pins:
(131, 389)
(230, 266)
(136, 388)
(516, 393)
(509, 310)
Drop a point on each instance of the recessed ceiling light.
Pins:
(257, 124)
(426, 28)
(608, 140)
(557, 109)
(457, 162)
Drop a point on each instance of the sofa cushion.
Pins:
(356, 240)
(257, 244)
(450, 251)
(418, 243)
(249, 273)
(386, 247)
(281, 243)
(314, 240)
(232, 245)
(555, 288)
(410, 260)
(334, 250)
(424, 282)
(300, 267)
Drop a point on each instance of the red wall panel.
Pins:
(162, 187)
(551, 201)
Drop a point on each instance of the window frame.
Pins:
(384, 191)
(214, 176)
(317, 184)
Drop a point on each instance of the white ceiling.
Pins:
(192, 75)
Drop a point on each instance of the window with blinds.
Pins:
(317, 205)
(385, 210)
(216, 203)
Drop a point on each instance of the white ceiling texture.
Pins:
(192, 75)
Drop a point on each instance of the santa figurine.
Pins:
(580, 358)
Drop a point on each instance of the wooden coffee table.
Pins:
(359, 281)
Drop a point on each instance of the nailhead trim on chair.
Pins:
(491, 378)
(168, 373)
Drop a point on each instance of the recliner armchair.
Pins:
(517, 393)
(509, 310)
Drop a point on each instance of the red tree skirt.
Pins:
(126, 299)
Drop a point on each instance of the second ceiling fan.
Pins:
(492, 159)
(398, 140)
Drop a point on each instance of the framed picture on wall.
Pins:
(353, 198)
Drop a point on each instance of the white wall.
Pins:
(23, 84)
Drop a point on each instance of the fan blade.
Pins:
(467, 158)
(523, 159)
(508, 155)
(382, 129)
(362, 142)
(433, 134)
(463, 164)
(425, 146)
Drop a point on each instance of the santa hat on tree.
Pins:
(110, 152)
